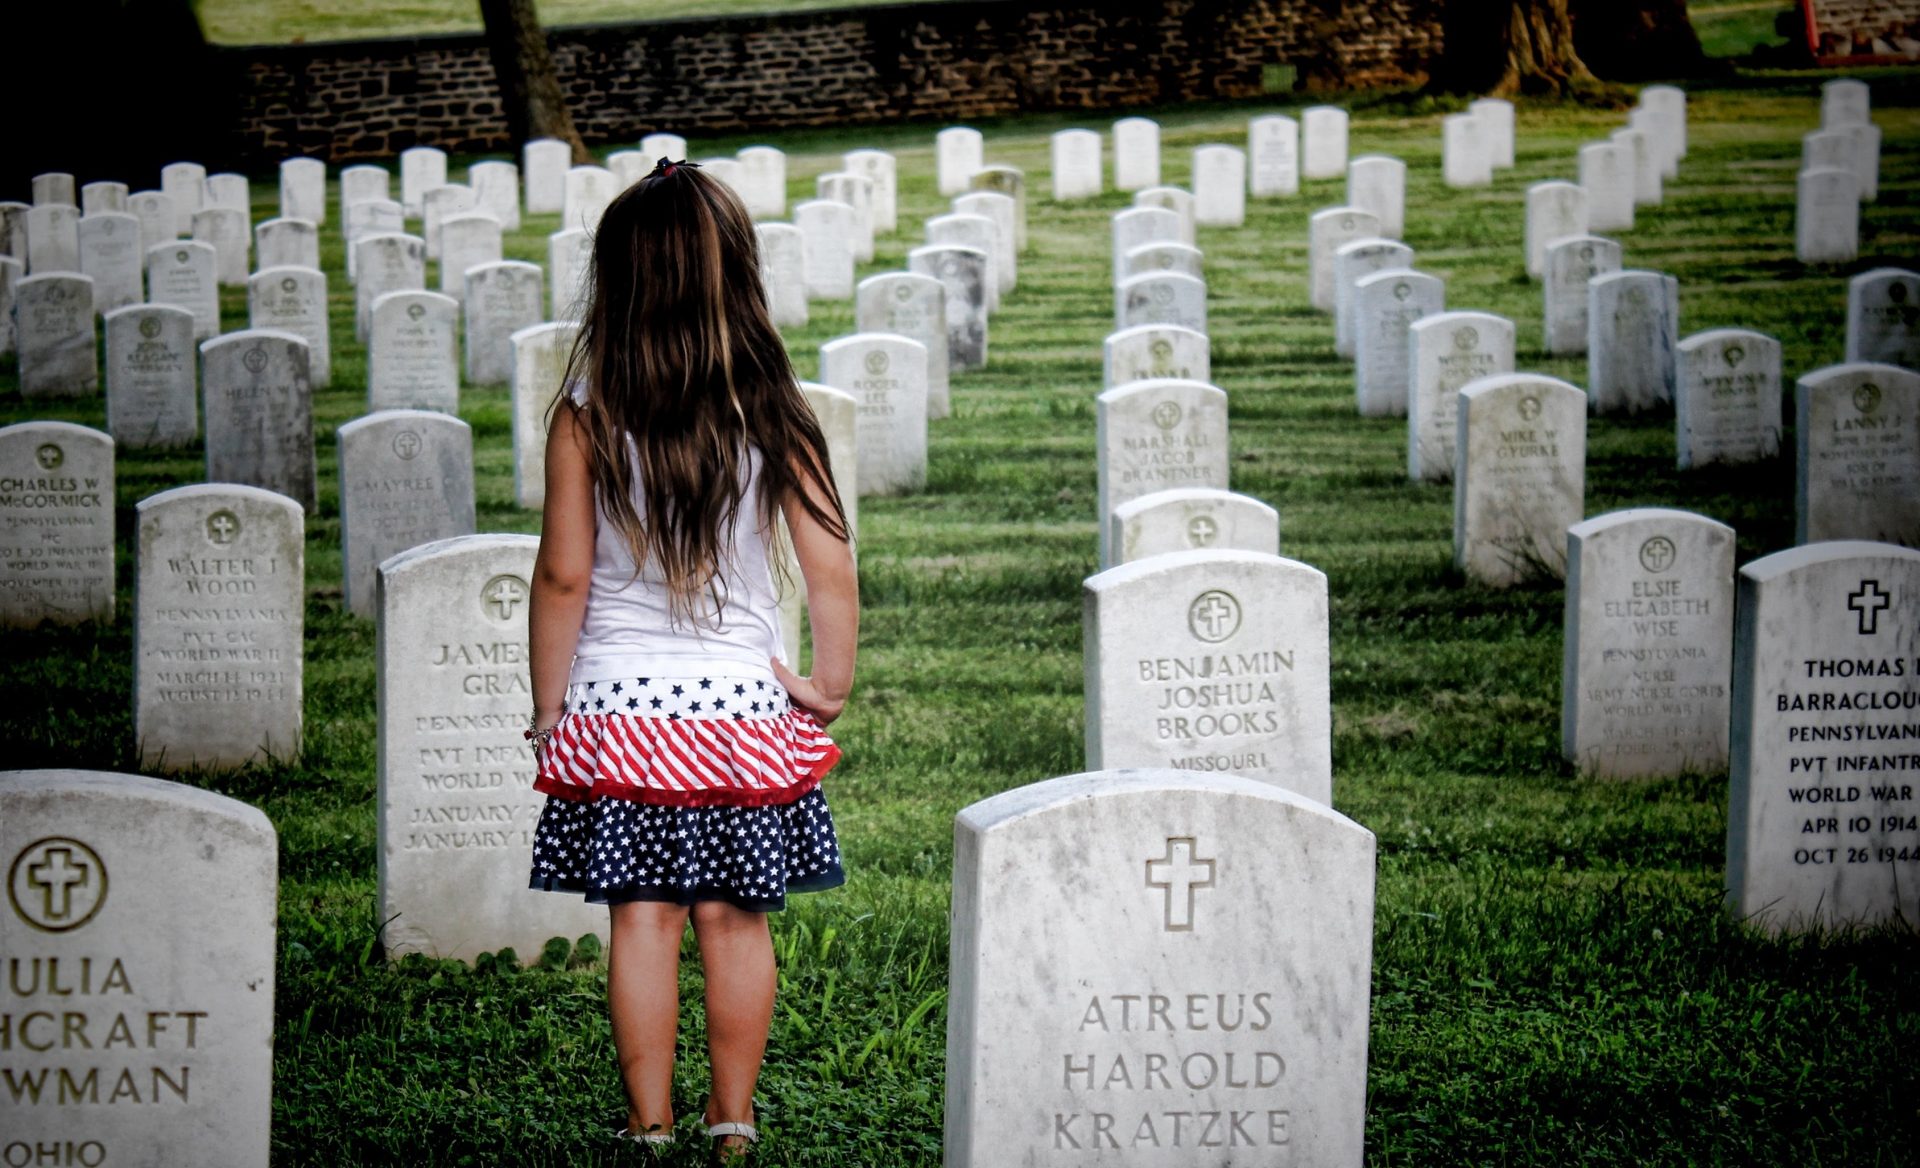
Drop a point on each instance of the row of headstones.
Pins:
(1839, 170)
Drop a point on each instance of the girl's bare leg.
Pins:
(736, 952)
(643, 996)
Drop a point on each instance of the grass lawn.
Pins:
(1555, 981)
(1731, 28)
(275, 22)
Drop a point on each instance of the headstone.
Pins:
(388, 263)
(1136, 154)
(915, 306)
(53, 319)
(540, 355)
(1555, 210)
(1823, 824)
(13, 230)
(1669, 108)
(111, 253)
(1845, 101)
(1273, 156)
(664, 145)
(496, 191)
(1866, 160)
(294, 300)
(422, 168)
(1246, 909)
(303, 190)
(1378, 184)
(225, 230)
(545, 161)
(466, 242)
(964, 272)
(259, 409)
(1155, 352)
(629, 167)
(54, 187)
(725, 171)
(11, 272)
(972, 231)
(1163, 257)
(1327, 232)
(1606, 174)
(230, 191)
(881, 170)
(1137, 226)
(887, 375)
(56, 524)
(1077, 166)
(1323, 133)
(1004, 213)
(1496, 123)
(1827, 217)
(219, 610)
(1857, 465)
(151, 903)
(1191, 519)
(1385, 305)
(827, 235)
(457, 804)
(287, 243)
(1351, 263)
(1648, 189)
(186, 184)
(1449, 351)
(1219, 186)
(413, 354)
(1466, 156)
(369, 218)
(1571, 264)
(1648, 652)
(838, 414)
(153, 399)
(1826, 148)
(1156, 436)
(783, 272)
(364, 184)
(182, 274)
(1161, 298)
(763, 179)
(1883, 317)
(155, 212)
(1010, 181)
(856, 191)
(406, 478)
(1171, 199)
(501, 299)
(1211, 660)
(1727, 401)
(569, 271)
(53, 238)
(959, 151)
(100, 197)
(1633, 330)
(441, 204)
(1519, 477)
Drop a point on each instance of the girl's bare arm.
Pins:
(833, 610)
(564, 567)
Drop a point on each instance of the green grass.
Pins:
(1731, 28)
(1555, 981)
(276, 22)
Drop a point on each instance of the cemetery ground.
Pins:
(1555, 979)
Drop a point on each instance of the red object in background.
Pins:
(1886, 35)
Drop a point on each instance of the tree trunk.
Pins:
(1640, 41)
(529, 88)
(1510, 47)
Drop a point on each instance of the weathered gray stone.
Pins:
(149, 907)
(98, 198)
(971, 231)
(1857, 446)
(1161, 298)
(294, 300)
(1519, 477)
(1633, 330)
(186, 184)
(53, 316)
(1555, 211)
(827, 231)
(1352, 262)
(1077, 167)
(915, 306)
(1571, 265)
(959, 151)
(1826, 225)
(387, 263)
(1273, 156)
(545, 161)
(1150, 352)
(1727, 401)
(1002, 210)
(783, 272)
(1449, 351)
(219, 613)
(1648, 652)
(11, 272)
(502, 298)
(54, 187)
(287, 243)
(466, 242)
(406, 478)
(1171, 199)
(153, 399)
(965, 272)
(887, 375)
(303, 190)
(13, 230)
(1327, 232)
(1253, 928)
(111, 255)
(225, 230)
(569, 270)
(1136, 154)
(1211, 661)
(182, 274)
(1606, 174)
(1883, 317)
(56, 524)
(1378, 184)
(1219, 186)
(259, 407)
(413, 353)
(880, 169)
(422, 168)
(1323, 135)
(540, 355)
(53, 238)
(1191, 519)
(496, 192)
(1010, 181)
(1156, 435)
(1385, 305)
(1466, 156)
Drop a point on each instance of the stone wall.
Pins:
(944, 61)
(1866, 28)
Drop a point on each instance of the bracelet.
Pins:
(538, 737)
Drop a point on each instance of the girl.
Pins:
(681, 757)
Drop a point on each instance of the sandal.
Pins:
(726, 1154)
(656, 1139)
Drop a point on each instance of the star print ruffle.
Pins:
(684, 742)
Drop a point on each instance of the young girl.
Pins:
(681, 757)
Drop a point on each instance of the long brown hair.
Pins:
(681, 358)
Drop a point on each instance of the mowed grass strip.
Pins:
(1555, 979)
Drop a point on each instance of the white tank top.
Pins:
(630, 632)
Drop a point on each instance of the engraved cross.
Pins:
(222, 528)
(1214, 614)
(1180, 874)
(1201, 530)
(1869, 603)
(503, 596)
(56, 877)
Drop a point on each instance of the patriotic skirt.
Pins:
(682, 790)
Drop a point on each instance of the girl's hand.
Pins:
(807, 695)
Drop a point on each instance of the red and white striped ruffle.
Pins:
(686, 762)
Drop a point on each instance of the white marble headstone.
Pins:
(1857, 456)
(1668, 106)
(545, 162)
(1273, 156)
(1845, 101)
(155, 212)
(502, 298)
(977, 232)
(1727, 399)
(294, 300)
(230, 190)
(466, 242)
(112, 255)
(364, 184)
(1571, 265)
(1173, 199)
(56, 524)
(965, 272)
(1150, 352)
(763, 181)
(368, 218)
(100, 197)
(388, 263)
(540, 355)
(303, 190)
(181, 273)
(1005, 214)
(1161, 298)
(422, 168)
(1323, 136)
(11, 271)
(53, 238)
(887, 375)
(441, 204)
(496, 191)
(569, 272)
(225, 230)
(1883, 317)
(911, 305)
(1633, 330)
(1156, 435)
(287, 243)
(662, 144)
(1555, 211)
(1648, 189)
(1327, 231)
(1519, 477)
(1385, 305)
(1827, 216)
(1448, 352)
(413, 353)
(881, 170)
(1351, 263)
(53, 319)
(1077, 169)
(1496, 123)
(958, 152)
(54, 187)
(828, 231)
(1866, 160)
(1191, 519)
(856, 191)
(1219, 186)
(1162, 257)
(1606, 174)
(152, 377)
(406, 478)
(1378, 184)
(783, 272)
(1135, 226)
(1466, 154)
(1136, 154)
(259, 412)
(186, 184)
